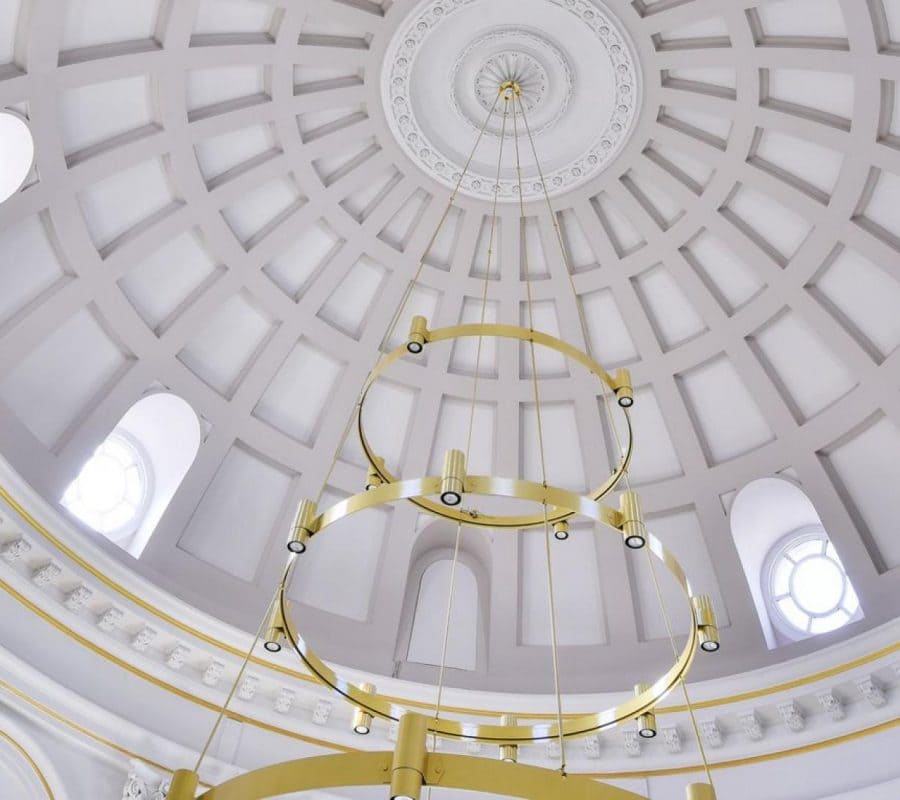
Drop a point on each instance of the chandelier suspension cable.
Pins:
(346, 432)
(579, 306)
(404, 299)
(668, 621)
(615, 432)
(554, 642)
(451, 589)
(478, 352)
(234, 685)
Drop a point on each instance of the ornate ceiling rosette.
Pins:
(581, 87)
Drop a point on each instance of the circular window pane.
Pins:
(110, 493)
(808, 588)
(16, 153)
(817, 584)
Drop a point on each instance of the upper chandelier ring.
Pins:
(620, 385)
(310, 523)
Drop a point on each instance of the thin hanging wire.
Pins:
(668, 621)
(615, 431)
(234, 685)
(579, 306)
(441, 674)
(401, 307)
(452, 587)
(540, 430)
(398, 313)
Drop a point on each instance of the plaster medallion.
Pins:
(579, 76)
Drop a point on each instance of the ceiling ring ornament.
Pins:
(570, 502)
(611, 55)
(517, 54)
(618, 384)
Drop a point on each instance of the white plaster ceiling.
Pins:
(219, 207)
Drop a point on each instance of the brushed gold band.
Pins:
(554, 513)
(447, 771)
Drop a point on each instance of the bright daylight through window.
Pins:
(110, 493)
(808, 586)
(16, 153)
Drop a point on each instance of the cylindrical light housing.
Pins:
(561, 530)
(700, 791)
(646, 722)
(453, 477)
(624, 389)
(362, 719)
(410, 756)
(301, 530)
(275, 630)
(705, 617)
(373, 479)
(183, 785)
(632, 526)
(509, 752)
(418, 335)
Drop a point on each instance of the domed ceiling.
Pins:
(231, 197)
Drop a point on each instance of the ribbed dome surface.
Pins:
(221, 207)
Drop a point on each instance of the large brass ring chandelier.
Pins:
(411, 766)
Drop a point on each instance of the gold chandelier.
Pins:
(412, 766)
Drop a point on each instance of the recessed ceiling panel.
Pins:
(298, 396)
(166, 281)
(577, 583)
(864, 298)
(235, 518)
(864, 463)
(728, 420)
(808, 374)
(225, 348)
(29, 242)
(730, 280)
(58, 381)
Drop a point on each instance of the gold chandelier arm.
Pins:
(570, 503)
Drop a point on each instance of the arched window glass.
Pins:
(112, 490)
(808, 588)
(128, 482)
(427, 637)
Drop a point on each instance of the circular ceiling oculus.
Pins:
(580, 84)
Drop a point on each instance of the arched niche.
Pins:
(421, 630)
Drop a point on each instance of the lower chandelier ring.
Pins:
(619, 384)
(570, 504)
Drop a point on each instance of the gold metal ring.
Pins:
(443, 770)
(554, 513)
(570, 503)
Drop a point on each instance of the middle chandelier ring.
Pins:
(619, 385)
(568, 503)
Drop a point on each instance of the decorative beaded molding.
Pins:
(396, 95)
(519, 65)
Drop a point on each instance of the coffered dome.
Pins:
(230, 198)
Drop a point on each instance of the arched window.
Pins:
(129, 480)
(426, 640)
(798, 582)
